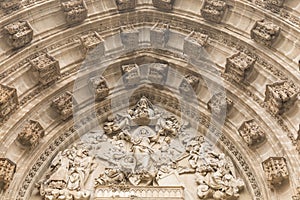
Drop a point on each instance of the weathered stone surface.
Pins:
(63, 105)
(31, 134)
(98, 86)
(91, 41)
(126, 5)
(213, 10)
(219, 104)
(239, 66)
(265, 32)
(277, 3)
(8, 101)
(280, 96)
(163, 4)
(297, 196)
(189, 85)
(7, 171)
(252, 133)
(194, 44)
(131, 74)
(18, 34)
(158, 74)
(129, 37)
(45, 67)
(159, 35)
(10, 5)
(75, 10)
(276, 171)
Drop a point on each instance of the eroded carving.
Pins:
(31, 134)
(46, 68)
(213, 10)
(189, 85)
(159, 34)
(10, 5)
(265, 32)
(63, 105)
(130, 37)
(131, 74)
(8, 101)
(91, 41)
(158, 74)
(18, 34)
(220, 104)
(99, 87)
(75, 10)
(276, 171)
(194, 44)
(280, 96)
(163, 4)
(7, 171)
(126, 5)
(297, 196)
(252, 133)
(274, 3)
(239, 66)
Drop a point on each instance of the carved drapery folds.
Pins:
(213, 10)
(31, 134)
(158, 73)
(194, 44)
(7, 171)
(45, 67)
(159, 34)
(8, 101)
(91, 41)
(63, 105)
(276, 171)
(98, 86)
(219, 104)
(131, 74)
(75, 10)
(189, 85)
(10, 5)
(163, 4)
(252, 133)
(280, 96)
(239, 66)
(129, 37)
(126, 5)
(18, 34)
(265, 32)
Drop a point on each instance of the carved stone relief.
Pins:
(274, 3)
(194, 44)
(31, 134)
(189, 85)
(163, 4)
(75, 10)
(8, 101)
(7, 171)
(46, 67)
(280, 96)
(214, 10)
(18, 34)
(239, 66)
(276, 171)
(265, 32)
(63, 105)
(131, 74)
(91, 41)
(99, 87)
(126, 5)
(10, 5)
(130, 37)
(219, 104)
(159, 35)
(252, 133)
(297, 196)
(158, 73)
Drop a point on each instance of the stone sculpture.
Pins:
(265, 32)
(18, 34)
(213, 10)
(252, 133)
(7, 171)
(8, 101)
(75, 10)
(31, 134)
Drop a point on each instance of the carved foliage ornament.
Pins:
(7, 171)
(31, 134)
(8, 101)
(98, 86)
(252, 133)
(63, 105)
(265, 32)
(213, 10)
(75, 10)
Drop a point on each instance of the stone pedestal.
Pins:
(93, 41)
(265, 32)
(75, 10)
(158, 74)
(7, 171)
(63, 105)
(129, 37)
(31, 134)
(99, 87)
(194, 45)
(18, 34)
(159, 35)
(213, 10)
(252, 133)
(131, 75)
(189, 85)
(8, 101)
(219, 105)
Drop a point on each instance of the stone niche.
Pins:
(194, 44)
(239, 66)
(163, 4)
(219, 104)
(252, 133)
(10, 5)
(45, 67)
(159, 35)
(63, 105)
(158, 73)
(18, 34)
(214, 10)
(98, 86)
(126, 5)
(265, 32)
(129, 37)
(7, 171)
(189, 85)
(92, 41)
(8, 101)
(131, 74)
(280, 97)
(31, 134)
(75, 10)
(276, 171)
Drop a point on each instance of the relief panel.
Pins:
(158, 74)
